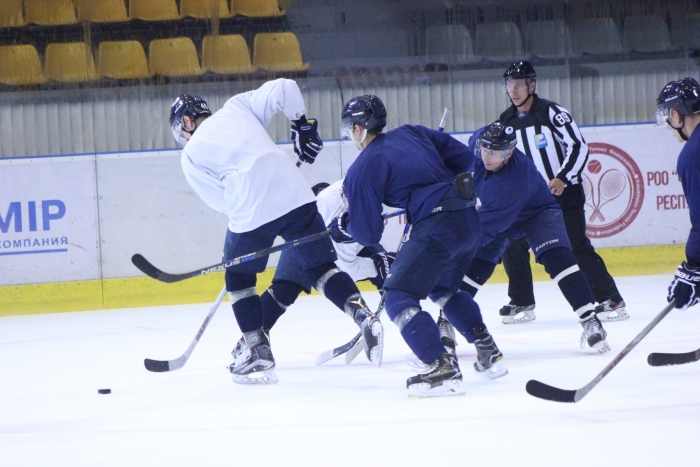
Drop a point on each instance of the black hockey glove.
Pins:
(338, 232)
(684, 287)
(307, 142)
(382, 261)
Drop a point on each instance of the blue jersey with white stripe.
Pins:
(688, 168)
(411, 167)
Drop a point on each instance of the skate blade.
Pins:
(496, 370)
(446, 389)
(522, 317)
(602, 346)
(614, 315)
(375, 353)
(259, 377)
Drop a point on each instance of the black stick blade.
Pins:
(145, 266)
(156, 366)
(550, 393)
(664, 359)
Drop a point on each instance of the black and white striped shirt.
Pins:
(549, 135)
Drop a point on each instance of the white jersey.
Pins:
(331, 204)
(236, 168)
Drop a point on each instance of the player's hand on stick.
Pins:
(307, 142)
(684, 287)
(337, 227)
(382, 261)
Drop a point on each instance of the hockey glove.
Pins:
(382, 261)
(337, 227)
(684, 287)
(307, 142)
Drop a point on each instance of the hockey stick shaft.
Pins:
(149, 269)
(544, 391)
(160, 366)
(445, 113)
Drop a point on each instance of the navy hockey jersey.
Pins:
(688, 168)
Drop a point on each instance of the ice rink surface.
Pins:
(336, 415)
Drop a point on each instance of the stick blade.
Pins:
(325, 356)
(550, 393)
(665, 359)
(157, 366)
(150, 270)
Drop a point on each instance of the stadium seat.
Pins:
(201, 9)
(226, 55)
(49, 12)
(646, 34)
(101, 11)
(174, 57)
(449, 44)
(547, 39)
(596, 36)
(70, 63)
(499, 41)
(122, 60)
(685, 31)
(11, 14)
(20, 64)
(256, 8)
(278, 52)
(153, 10)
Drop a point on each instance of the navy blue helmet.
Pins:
(497, 136)
(682, 95)
(185, 104)
(520, 70)
(367, 111)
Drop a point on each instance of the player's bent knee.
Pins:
(397, 301)
(479, 272)
(237, 281)
(559, 263)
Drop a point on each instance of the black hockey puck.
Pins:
(104, 391)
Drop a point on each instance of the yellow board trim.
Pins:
(136, 292)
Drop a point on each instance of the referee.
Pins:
(548, 134)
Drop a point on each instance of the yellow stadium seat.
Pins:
(122, 60)
(153, 10)
(70, 63)
(256, 8)
(20, 64)
(49, 12)
(101, 11)
(11, 13)
(278, 52)
(174, 57)
(202, 8)
(226, 55)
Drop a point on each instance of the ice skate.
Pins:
(511, 314)
(370, 326)
(488, 357)
(610, 310)
(253, 361)
(593, 334)
(447, 336)
(444, 379)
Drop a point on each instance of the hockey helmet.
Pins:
(520, 70)
(367, 111)
(682, 95)
(185, 104)
(496, 137)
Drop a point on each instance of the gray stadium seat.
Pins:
(547, 39)
(685, 31)
(449, 44)
(499, 41)
(646, 34)
(596, 36)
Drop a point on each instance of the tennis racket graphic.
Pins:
(611, 185)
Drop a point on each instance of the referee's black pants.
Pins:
(516, 258)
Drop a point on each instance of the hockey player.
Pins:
(516, 202)
(414, 168)
(678, 106)
(547, 133)
(234, 166)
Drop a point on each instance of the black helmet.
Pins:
(520, 70)
(497, 136)
(319, 187)
(682, 95)
(367, 111)
(185, 104)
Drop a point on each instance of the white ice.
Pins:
(51, 367)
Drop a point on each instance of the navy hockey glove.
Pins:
(382, 261)
(684, 287)
(337, 227)
(307, 142)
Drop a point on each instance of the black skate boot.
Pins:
(371, 327)
(611, 310)
(488, 357)
(253, 360)
(593, 333)
(447, 334)
(511, 314)
(444, 379)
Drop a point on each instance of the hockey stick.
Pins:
(149, 269)
(544, 391)
(160, 366)
(663, 359)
